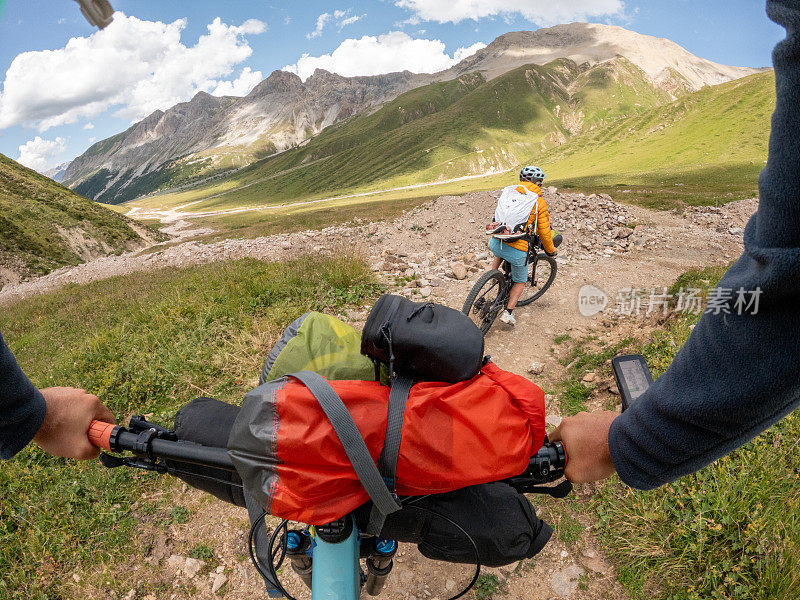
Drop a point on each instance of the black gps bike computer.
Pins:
(633, 377)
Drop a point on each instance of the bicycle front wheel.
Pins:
(543, 273)
(485, 300)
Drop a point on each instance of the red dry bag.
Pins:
(299, 465)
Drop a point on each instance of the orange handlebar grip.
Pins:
(100, 434)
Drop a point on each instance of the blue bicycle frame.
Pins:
(336, 570)
(327, 559)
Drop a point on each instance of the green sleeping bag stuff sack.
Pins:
(323, 344)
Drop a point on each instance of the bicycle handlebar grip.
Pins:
(100, 434)
(566, 456)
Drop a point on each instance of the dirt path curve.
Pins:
(436, 251)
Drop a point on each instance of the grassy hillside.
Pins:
(729, 531)
(44, 225)
(705, 147)
(440, 131)
(145, 343)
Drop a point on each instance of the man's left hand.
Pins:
(70, 411)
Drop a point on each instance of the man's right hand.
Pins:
(585, 437)
(70, 411)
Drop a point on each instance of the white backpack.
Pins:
(514, 208)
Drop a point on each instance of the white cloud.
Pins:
(541, 12)
(322, 20)
(369, 55)
(38, 154)
(241, 86)
(89, 126)
(341, 17)
(137, 65)
(463, 53)
(350, 20)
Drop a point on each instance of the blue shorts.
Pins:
(516, 258)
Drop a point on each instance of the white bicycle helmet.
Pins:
(531, 173)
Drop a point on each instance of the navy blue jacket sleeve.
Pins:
(737, 374)
(22, 407)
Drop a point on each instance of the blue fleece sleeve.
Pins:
(22, 407)
(737, 374)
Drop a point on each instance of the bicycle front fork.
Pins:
(329, 563)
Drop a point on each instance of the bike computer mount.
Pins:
(633, 377)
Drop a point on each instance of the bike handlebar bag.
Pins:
(454, 435)
(501, 520)
(426, 341)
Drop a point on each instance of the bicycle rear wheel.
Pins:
(486, 299)
(543, 273)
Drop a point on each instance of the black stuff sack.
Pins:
(501, 521)
(426, 341)
(208, 422)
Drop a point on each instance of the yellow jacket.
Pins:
(542, 217)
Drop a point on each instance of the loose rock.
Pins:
(219, 580)
(564, 583)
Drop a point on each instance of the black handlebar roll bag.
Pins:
(501, 521)
(426, 341)
(208, 422)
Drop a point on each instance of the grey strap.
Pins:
(387, 462)
(351, 440)
(398, 396)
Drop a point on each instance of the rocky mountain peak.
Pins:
(591, 43)
(278, 82)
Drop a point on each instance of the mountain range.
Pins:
(577, 76)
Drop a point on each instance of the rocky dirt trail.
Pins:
(436, 251)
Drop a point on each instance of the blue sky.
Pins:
(55, 103)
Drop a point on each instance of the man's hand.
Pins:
(585, 437)
(66, 423)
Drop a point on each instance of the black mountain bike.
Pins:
(489, 296)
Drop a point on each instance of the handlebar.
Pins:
(149, 441)
(144, 442)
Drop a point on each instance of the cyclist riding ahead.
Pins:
(520, 210)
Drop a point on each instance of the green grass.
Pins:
(730, 531)
(300, 218)
(202, 552)
(488, 586)
(705, 148)
(145, 343)
(33, 212)
(585, 356)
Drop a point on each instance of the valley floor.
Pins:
(436, 251)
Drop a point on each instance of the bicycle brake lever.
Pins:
(145, 464)
(112, 462)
